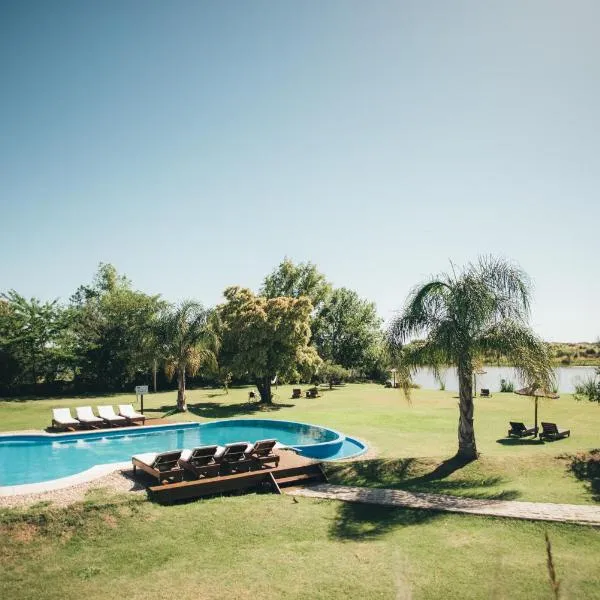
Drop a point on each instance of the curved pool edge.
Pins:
(317, 451)
(91, 474)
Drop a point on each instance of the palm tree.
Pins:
(187, 340)
(463, 317)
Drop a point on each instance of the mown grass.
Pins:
(412, 440)
(262, 546)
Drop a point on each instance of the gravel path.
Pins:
(118, 481)
(537, 511)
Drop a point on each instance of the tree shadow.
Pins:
(586, 467)
(363, 521)
(416, 475)
(520, 442)
(354, 521)
(59, 396)
(217, 410)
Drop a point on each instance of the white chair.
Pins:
(62, 419)
(87, 417)
(127, 411)
(108, 414)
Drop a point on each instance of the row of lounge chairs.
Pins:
(549, 431)
(86, 419)
(206, 461)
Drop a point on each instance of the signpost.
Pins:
(140, 390)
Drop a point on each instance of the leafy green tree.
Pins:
(293, 281)
(113, 331)
(29, 334)
(266, 337)
(483, 308)
(333, 374)
(347, 329)
(187, 340)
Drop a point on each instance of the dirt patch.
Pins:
(23, 532)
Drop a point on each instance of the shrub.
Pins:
(589, 389)
(506, 385)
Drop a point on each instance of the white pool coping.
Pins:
(98, 471)
(86, 476)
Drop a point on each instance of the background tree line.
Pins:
(109, 337)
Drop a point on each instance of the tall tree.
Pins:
(483, 308)
(29, 336)
(187, 340)
(347, 329)
(113, 329)
(266, 337)
(295, 280)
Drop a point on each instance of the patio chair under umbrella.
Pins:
(536, 393)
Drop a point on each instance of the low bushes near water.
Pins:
(589, 389)
(506, 385)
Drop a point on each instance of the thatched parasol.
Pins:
(536, 393)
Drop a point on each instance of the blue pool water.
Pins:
(37, 458)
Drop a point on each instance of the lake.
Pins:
(566, 378)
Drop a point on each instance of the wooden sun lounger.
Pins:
(62, 419)
(88, 418)
(520, 430)
(234, 457)
(551, 432)
(202, 461)
(133, 417)
(107, 414)
(164, 466)
(262, 453)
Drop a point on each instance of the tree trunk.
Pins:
(181, 406)
(154, 369)
(467, 448)
(264, 389)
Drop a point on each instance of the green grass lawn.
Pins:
(411, 439)
(262, 546)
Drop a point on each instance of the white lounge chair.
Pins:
(108, 414)
(87, 417)
(62, 419)
(127, 411)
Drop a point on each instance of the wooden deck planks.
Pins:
(291, 465)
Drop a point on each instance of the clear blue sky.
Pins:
(195, 144)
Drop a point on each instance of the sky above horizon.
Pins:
(195, 144)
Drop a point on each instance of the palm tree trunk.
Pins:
(467, 448)
(181, 406)
(264, 389)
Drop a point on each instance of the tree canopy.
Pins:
(266, 337)
(186, 340)
(295, 280)
(347, 329)
(462, 316)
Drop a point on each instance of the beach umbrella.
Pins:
(537, 393)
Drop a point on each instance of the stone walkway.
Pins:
(537, 511)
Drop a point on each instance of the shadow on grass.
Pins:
(520, 442)
(355, 521)
(216, 410)
(586, 467)
(61, 397)
(416, 475)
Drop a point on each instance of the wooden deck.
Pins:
(293, 469)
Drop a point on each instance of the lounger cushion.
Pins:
(63, 415)
(147, 458)
(185, 454)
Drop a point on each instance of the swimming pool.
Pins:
(35, 458)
